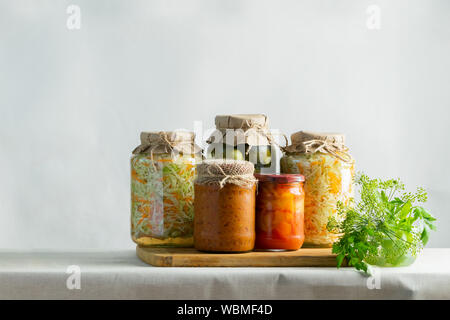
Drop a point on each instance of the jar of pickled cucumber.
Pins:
(244, 137)
(328, 168)
(163, 169)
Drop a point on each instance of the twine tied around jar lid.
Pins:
(160, 142)
(264, 130)
(255, 130)
(219, 172)
(311, 142)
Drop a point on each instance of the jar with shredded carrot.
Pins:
(163, 169)
(328, 168)
(225, 206)
(279, 212)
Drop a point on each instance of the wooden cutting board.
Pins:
(189, 257)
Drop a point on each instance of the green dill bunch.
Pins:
(384, 227)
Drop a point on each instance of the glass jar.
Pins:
(225, 206)
(329, 178)
(244, 137)
(279, 212)
(162, 195)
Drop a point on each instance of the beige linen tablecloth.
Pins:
(121, 275)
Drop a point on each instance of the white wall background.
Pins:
(72, 103)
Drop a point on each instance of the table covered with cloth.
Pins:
(121, 275)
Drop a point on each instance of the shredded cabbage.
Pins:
(162, 199)
(328, 180)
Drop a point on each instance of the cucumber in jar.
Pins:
(260, 156)
(228, 153)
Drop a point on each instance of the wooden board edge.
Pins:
(167, 260)
(154, 259)
(303, 261)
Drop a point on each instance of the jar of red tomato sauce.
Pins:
(224, 206)
(279, 212)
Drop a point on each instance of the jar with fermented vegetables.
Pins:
(225, 206)
(328, 169)
(163, 169)
(279, 212)
(244, 137)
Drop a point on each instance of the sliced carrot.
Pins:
(335, 183)
(134, 176)
(135, 198)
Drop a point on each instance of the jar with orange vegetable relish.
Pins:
(225, 206)
(329, 170)
(163, 169)
(279, 212)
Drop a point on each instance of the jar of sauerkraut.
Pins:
(244, 137)
(328, 169)
(163, 169)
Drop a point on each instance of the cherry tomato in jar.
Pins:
(280, 212)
